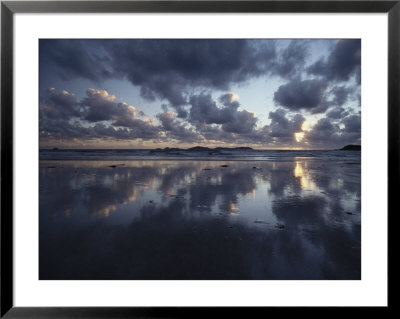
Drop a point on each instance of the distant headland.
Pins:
(201, 149)
(351, 148)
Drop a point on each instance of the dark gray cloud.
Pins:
(327, 134)
(65, 130)
(163, 68)
(290, 61)
(302, 94)
(100, 106)
(315, 95)
(324, 134)
(166, 68)
(318, 94)
(241, 128)
(343, 62)
(73, 59)
(139, 131)
(100, 114)
(229, 100)
(58, 105)
(177, 70)
(61, 129)
(144, 129)
(342, 94)
(244, 122)
(56, 109)
(62, 116)
(352, 124)
(337, 113)
(204, 110)
(176, 129)
(323, 130)
(281, 126)
(282, 129)
(213, 132)
(224, 123)
(338, 96)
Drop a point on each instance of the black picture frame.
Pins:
(9, 8)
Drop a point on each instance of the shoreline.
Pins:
(195, 159)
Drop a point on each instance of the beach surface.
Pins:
(286, 216)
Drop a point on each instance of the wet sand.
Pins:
(171, 219)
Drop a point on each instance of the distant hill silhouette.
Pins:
(202, 149)
(351, 148)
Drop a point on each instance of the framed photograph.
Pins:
(177, 158)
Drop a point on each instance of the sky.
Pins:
(150, 93)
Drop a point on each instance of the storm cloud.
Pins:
(352, 124)
(281, 126)
(167, 69)
(343, 62)
(98, 114)
(205, 110)
(190, 90)
(325, 132)
(290, 61)
(74, 59)
(100, 106)
(337, 113)
(301, 94)
(342, 94)
(163, 68)
(176, 129)
(60, 105)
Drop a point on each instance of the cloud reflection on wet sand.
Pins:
(200, 220)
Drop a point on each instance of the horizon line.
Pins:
(211, 148)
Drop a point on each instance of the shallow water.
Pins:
(193, 219)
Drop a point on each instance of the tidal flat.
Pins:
(296, 219)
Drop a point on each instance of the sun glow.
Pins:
(299, 136)
(234, 96)
(305, 126)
